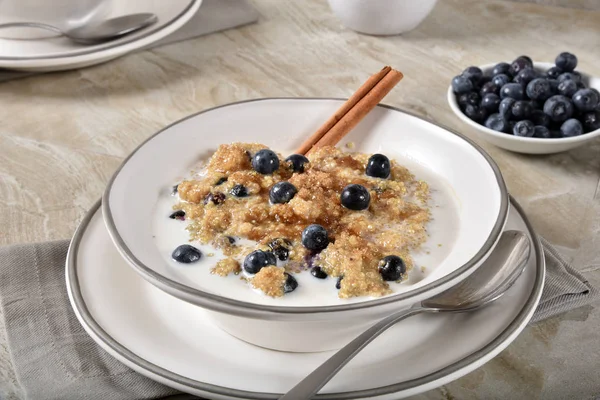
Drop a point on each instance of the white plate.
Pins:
(472, 178)
(52, 54)
(526, 145)
(173, 342)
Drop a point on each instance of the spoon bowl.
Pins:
(488, 283)
(103, 31)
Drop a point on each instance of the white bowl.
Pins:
(130, 203)
(382, 17)
(525, 144)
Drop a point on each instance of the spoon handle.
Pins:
(310, 385)
(31, 25)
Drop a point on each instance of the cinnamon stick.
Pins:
(353, 110)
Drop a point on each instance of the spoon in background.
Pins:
(102, 31)
(490, 281)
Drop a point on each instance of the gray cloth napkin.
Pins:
(54, 358)
(564, 289)
(213, 16)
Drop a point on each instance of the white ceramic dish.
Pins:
(162, 160)
(175, 343)
(382, 17)
(60, 53)
(525, 144)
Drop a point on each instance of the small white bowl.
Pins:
(524, 144)
(292, 323)
(382, 17)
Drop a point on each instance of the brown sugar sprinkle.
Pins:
(226, 266)
(270, 280)
(395, 222)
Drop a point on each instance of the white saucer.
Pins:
(59, 53)
(173, 342)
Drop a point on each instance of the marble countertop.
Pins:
(62, 135)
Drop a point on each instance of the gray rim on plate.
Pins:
(107, 46)
(79, 304)
(241, 308)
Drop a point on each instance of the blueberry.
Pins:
(239, 191)
(314, 237)
(571, 127)
(566, 61)
(474, 74)
(569, 76)
(525, 76)
(501, 68)
(586, 100)
(392, 268)
(280, 249)
(505, 108)
(476, 113)
(318, 272)
(591, 121)
(258, 259)
(580, 85)
(521, 63)
(500, 80)
(221, 181)
(567, 88)
(265, 161)
(497, 123)
(186, 254)
(461, 84)
(491, 102)
(524, 129)
(215, 198)
(554, 85)
(511, 125)
(355, 197)
(297, 161)
(522, 109)
(541, 132)
(282, 192)
(378, 166)
(290, 283)
(539, 118)
(554, 72)
(472, 98)
(179, 214)
(489, 87)
(539, 89)
(338, 283)
(558, 108)
(512, 90)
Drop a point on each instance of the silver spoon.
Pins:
(490, 281)
(102, 31)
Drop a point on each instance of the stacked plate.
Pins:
(178, 326)
(59, 53)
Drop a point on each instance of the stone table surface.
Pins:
(62, 135)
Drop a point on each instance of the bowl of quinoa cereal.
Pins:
(277, 247)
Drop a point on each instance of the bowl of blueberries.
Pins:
(529, 107)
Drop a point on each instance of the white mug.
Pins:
(382, 17)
